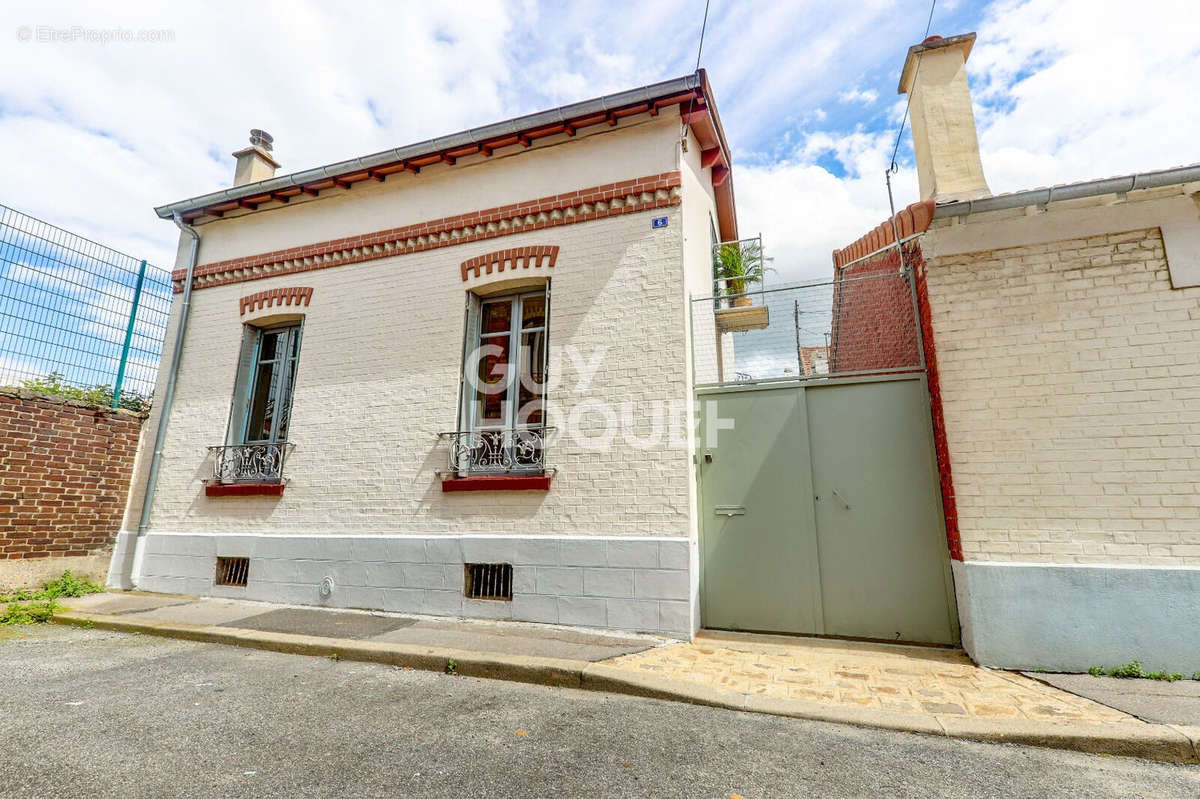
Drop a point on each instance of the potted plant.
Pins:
(740, 264)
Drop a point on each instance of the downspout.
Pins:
(160, 434)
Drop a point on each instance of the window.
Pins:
(268, 404)
(260, 420)
(506, 397)
(504, 379)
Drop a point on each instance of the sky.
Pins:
(95, 133)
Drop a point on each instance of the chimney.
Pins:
(943, 124)
(255, 162)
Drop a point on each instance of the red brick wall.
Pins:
(875, 329)
(941, 447)
(64, 475)
(874, 325)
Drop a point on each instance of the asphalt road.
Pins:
(97, 714)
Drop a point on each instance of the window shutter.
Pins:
(546, 356)
(241, 386)
(470, 340)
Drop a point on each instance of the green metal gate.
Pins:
(821, 512)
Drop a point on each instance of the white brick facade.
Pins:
(611, 544)
(378, 379)
(1070, 373)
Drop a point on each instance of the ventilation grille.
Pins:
(489, 581)
(233, 571)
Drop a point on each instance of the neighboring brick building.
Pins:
(1062, 334)
(64, 479)
(585, 229)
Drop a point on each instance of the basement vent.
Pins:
(233, 571)
(489, 581)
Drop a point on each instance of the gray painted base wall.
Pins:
(634, 584)
(1070, 618)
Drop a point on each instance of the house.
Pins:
(1061, 333)
(450, 378)
(814, 360)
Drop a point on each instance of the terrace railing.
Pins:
(497, 452)
(249, 463)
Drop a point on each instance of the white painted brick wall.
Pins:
(378, 380)
(1070, 376)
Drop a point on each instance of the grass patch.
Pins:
(64, 586)
(1133, 670)
(29, 613)
(37, 607)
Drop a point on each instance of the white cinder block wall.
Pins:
(611, 544)
(1070, 376)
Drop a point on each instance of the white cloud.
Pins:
(1078, 89)
(856, 95)
(1065, 91)
(805, 212)
(95, 135)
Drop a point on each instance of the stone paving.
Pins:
(921, 681)
(905, 679)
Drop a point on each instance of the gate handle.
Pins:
(841, 499)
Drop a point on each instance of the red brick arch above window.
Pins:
(295, 295)
(513, 259)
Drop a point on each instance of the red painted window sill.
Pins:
(243, 489)
(532, 482)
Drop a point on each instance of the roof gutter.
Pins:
(1074, 191)
(455, 140)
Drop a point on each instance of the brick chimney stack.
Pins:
(943, 124)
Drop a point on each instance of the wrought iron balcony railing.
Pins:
(520, 451)
(249, 463)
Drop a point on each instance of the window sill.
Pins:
(531, 482)
(243, 489)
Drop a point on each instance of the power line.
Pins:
(892, 168)
(692, 102)
(703, 25)
(900, 133)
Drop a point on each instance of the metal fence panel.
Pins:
(863, 322)
(75, 313)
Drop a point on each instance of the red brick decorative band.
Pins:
(522, 257)
(297, 295)
(598, 202)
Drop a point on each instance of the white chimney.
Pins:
(943, 124)
(255, 162)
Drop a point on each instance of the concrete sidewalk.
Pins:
(482, 637)
(1156, 701)
(915, 689)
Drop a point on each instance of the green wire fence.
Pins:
(78, 318)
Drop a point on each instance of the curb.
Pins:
(1165, 743)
